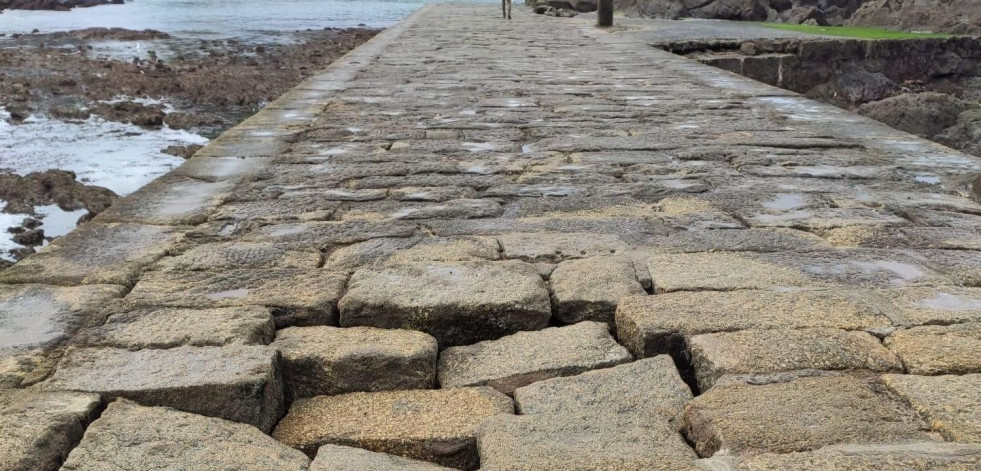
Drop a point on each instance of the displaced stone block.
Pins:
(590, 289)
(439, 426)
(239, 255)
(330, 360)
(131, 436)
(345, 458)
(239, 383)
(756, 353)
(559, 442)
(83, 256)
(38, 429)
(800, 415)
(652, 325)
(456, 302)
(937, 350)
(554, 247)
(932, 456)
(296, 297)
(718, 271)
(177, 327)
(951, 404)
(523, 358)
(646, 388)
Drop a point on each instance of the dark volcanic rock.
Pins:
(923, 114)
(23, 193)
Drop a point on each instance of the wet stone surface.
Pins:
(38, 429)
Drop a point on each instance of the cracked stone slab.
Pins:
(295, 296)
(554, 247)
(560, 442)
(83, 256)
(744, 270)
(234, 382)
(961, 266)
(330, 360)
(177, 327)
(170, 201)
(456, 302)
(438, 426)
(646, 388)
(951, 404)
(757, 353)
(937, 350)
(240, 255)
(345, 458)
(906, 238)
(520, 359)
(39, 429)
(652, 325)
(936, 305)
(930, 456)
(822, 219)
(800, 415)
(324, 235)
(281, 210)
(740, 240)
(399, 210)
(589, 289)
(131, 436)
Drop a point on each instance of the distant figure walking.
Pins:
(506, 6)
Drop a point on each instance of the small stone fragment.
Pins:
(345, 458)
(951, 404)
(38, 429)
(457, 302)
(645, 388)
(330, 360)
(438, 426)
(590, 289)
(239, 383)
(938, 350)
(755, 353)
(131, 437)
(559, 442)
(800, 415)
(523, 358)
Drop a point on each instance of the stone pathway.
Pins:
(602, 257)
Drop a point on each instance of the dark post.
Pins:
(604, 13)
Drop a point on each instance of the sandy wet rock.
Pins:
(344, 458)
(238, 383)
(560, 442)
(949, 403)
(800, 415)
(130, 436)
(590, 289)
(240, 255)
(645, 388)
(939, 305)
(296, 296)
(176, 327)
(38, 429)
(329, 360)
(933, 350)
(169, 201)
(456, 302)
(652, 325)
(84, 256)
(931, 456)
(756, 353)
(276, 211)
(439, 426)
(517, 360)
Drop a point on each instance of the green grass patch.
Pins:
(852, 32)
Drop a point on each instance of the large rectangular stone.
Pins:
(239, 383)
(296, 296)
(240, 255)
(646, 388)
(938, 350)
(560, 442)
(951, 404)
(525, 357)
(439, 426)
(176, 327)
(457, 302)
(800, 415)
(345, 458)
(130, 436)
(930, 456)
(652, 325)
(758, 353)
(330, 360)
(38, 429)
(590, 289)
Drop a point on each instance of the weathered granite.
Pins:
(239, 255)
(38, 429)
(590, 289)
(345, 458)
(933, 350)
(176, 327)
(932, 456)
(949, 403)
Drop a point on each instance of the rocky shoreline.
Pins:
(205, 87)
(54, 5)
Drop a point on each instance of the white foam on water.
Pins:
(57, 222)
(6, 238)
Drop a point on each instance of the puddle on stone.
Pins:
(478, 146)
(950, 302)
(904, 271)
(231, 294)
(785, 202)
